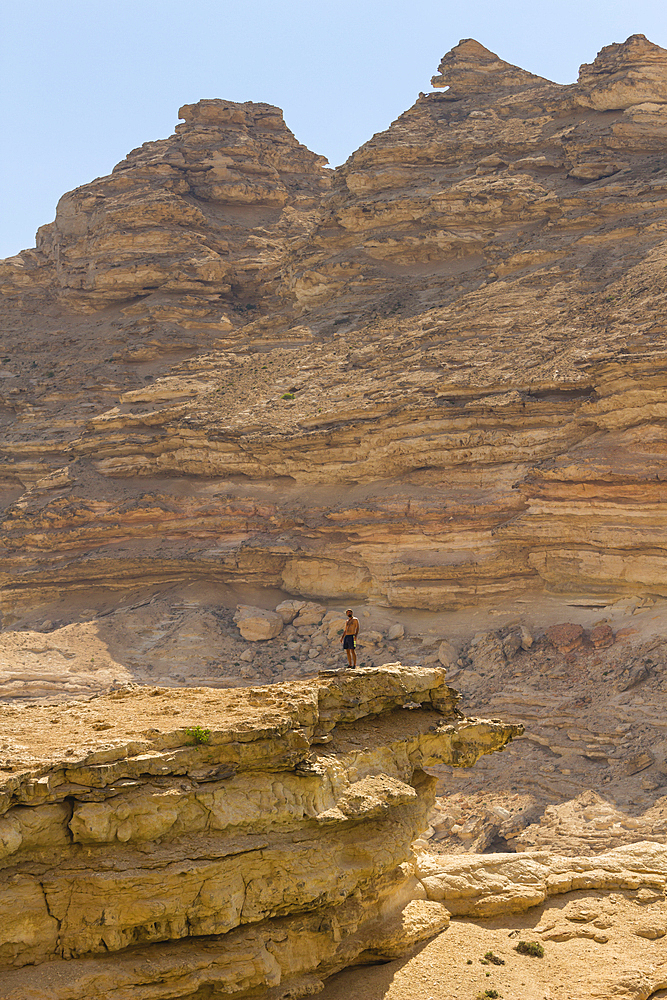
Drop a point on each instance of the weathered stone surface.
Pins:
(395, 631)
(589, 935)
(409, 383)
(472, 69)
(207, 210)
(256, 623)
(249, 831)
(438, 321)
(566, 637)
(633, 73)
(447, 654)
(601, 636)
(288, 610)
(483, 885)
(274, 955)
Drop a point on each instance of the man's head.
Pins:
(349, 612)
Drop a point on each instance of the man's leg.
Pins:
(354, 656)
(349, 657)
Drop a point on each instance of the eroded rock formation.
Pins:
(260, 841)
(599, 922)
(431, 378)
(239, 389)
(209, 211)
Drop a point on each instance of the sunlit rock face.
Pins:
(431, 378)
(624, 76)
(207, 210)
(264, 843)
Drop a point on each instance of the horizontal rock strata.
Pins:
(209, 210)
(596, 926)
(262, 845)
(433, 377)
(483, 885)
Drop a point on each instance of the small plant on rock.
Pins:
(533, 948)
(287, 395)
(493, 959)
(198, 735)
(491, 994)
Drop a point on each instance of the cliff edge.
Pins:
(265, 845)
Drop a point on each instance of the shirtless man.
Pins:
(349, 638)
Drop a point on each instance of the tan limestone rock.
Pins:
(520, 457)
(472, 69)
(624, 75)
(447, 654)
(483, 885)
(288, 610)
(256, 624)
(252, 836)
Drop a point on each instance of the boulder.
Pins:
(335, 626)
(288, 610)
(369, 638)
(310, 614)
(566, 637)
(256, 624)
(395, 631)
(526, 638)
(447, 654)
(602, 636)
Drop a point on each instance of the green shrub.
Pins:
(198, 735)
(287, 395)
(494, 959)
(533, 948)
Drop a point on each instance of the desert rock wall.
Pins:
(279, 812)
(208, 210)
(431, 378)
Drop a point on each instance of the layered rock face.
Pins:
(209, 210)
(432, 378)
(535, 925)
(239, 389)
(261, 841)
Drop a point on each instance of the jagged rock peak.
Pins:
(229, 113)
(622, 75)
(470, 68)
(161, 220)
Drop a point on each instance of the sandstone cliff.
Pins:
(432, 382)
(208, 212)
(432, 377)
(261, 843)
(158, 843)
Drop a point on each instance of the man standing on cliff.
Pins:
(349, 638)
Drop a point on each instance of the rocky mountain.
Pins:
(239, 391)
(432, 377)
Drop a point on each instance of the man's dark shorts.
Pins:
(348, 642)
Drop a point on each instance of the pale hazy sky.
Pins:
(83, 82)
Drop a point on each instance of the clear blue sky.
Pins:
(84, 81)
